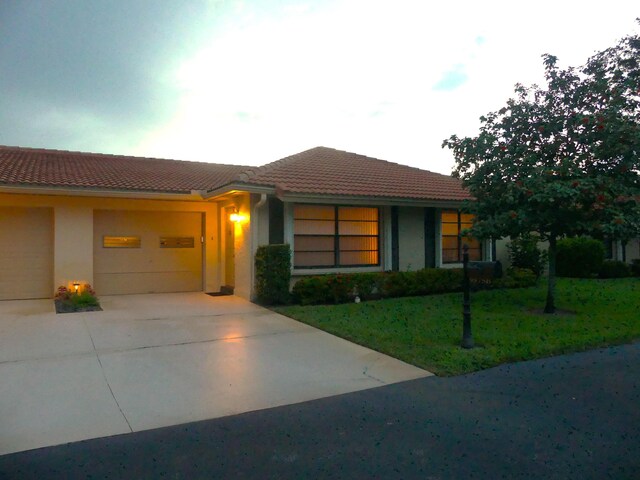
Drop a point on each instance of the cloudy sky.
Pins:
(249, 82)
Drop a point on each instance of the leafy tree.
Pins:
(563, 159)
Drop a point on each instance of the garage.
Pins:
(147, 252)
(26, 253)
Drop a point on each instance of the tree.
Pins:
(562, 160)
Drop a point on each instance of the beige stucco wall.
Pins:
(243, 249)
(72, 244)
(411, 238)
(73, 230)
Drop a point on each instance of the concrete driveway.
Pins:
(150, 361)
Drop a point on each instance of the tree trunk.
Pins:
(550, 307)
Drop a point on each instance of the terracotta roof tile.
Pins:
(58, 168)
(321, 171)
(328, 171)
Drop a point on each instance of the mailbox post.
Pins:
(467, 338)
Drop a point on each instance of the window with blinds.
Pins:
(332, 236)
(453, 224)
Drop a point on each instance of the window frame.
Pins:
(336, 236)
(459, 239)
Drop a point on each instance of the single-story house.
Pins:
(139, 225)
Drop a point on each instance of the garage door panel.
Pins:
(147, 282)
(26, 253)
(147, 268)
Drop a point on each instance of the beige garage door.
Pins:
(147, 252)
(26, 253)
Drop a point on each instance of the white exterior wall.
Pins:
(411, 238)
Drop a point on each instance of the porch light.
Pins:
(76, 286)
(235, 216)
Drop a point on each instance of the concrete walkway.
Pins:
(570, 417)
(150, 361)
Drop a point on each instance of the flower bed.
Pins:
(83, 300)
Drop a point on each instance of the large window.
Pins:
(330, 236)
(453, 224)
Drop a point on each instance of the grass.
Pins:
(507, 325)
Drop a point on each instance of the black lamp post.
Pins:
(467, 338)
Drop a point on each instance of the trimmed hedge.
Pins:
(343, 288)
(635, 267)
(579, 257)
(614, 269)
(273, 274)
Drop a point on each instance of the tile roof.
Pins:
(326, 171)
(319, 171)
(58, 168)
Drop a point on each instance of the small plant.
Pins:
(614, 269)
(84, 300)
(579, 257)
(525, 253)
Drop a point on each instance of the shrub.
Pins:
(342, 288)
(311, 291)
(614, 269)
(367, 285)
(273, 274)
(579, 257)
(524, 253)
(635, 267)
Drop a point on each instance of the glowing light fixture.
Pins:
(76, 286)
(235, 216)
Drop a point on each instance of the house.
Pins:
(139, 225)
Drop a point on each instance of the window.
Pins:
(120, 242)
(453, 223)
(330, 236)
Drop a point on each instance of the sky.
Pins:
(250, 82)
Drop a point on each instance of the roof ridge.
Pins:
(253, 172)
(110, 155)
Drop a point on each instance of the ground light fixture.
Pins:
(76, 286)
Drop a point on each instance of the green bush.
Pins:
(343, 288)
(273, 274)
(635, 267)
(579, 257)
(614, 269)
(524, 253)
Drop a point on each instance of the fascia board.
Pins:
(80, 192)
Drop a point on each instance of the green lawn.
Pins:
(507, 324)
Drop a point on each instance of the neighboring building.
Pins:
(140, 225)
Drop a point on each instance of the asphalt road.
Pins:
(574, 416)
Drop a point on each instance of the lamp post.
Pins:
(467, 338)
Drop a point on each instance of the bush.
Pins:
(273, 274)
(635, 267)
(614, 269)
(579, 257)
(524, 253)
(343, 288)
